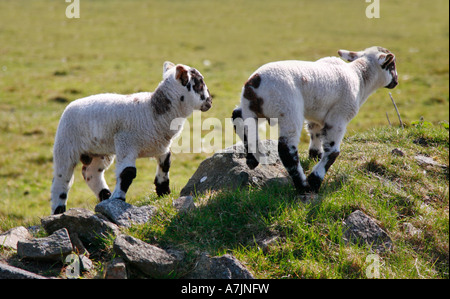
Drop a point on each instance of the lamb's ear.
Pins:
(167, 66)
(385, 59)
(348, 55)
(182, 75)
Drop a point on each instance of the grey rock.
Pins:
(361, 229)
(265, 244)
(9, 239)
(78, 246)
(410, 230)
(151, 260)
(184, 204)
(222, 267)
(116, 269)
(89, 226)
(428, 161)
(125, 214)
(228, 170)
(10, 272)
(85, 263)
(53, 247)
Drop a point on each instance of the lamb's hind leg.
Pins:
(247, 130)
(93, 173)
(331, 136)
(62, 181)
(315, 144)
(162, 174)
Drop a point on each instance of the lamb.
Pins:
(98, 128)
(328, 93)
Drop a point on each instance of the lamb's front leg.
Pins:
(331, 136)
(162, 174)
(287, 150)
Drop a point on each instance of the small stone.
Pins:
(361, 229)
(411, 230)
(89, 226)
(222, 267)
(10, 238)
(10, 272)
(427, 161)
(150, 259)
(397, 152)
(125, 214)
(116, 269)
(85, 263)
(267, 243)
(184, 203)
(53, 247)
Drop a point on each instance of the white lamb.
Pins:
(95, 129)
(327, 93)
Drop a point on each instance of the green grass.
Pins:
(47, 61)
(392, 189)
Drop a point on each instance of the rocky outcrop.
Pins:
(86, 224)
(151, 260)
(125, 214)
(54, 247)
(228, 170)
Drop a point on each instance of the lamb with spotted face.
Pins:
(327, 93)
(98, 128)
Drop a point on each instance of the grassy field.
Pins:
(48, 60)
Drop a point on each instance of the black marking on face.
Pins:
(160, 102)
(63, 196)
(182, 98)
(198, 81)
(126, 177)
(390, 66)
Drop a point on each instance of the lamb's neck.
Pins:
(171, 91)
(167, 109)
(368, 78)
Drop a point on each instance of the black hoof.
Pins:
(104, 194)
(315, 154)
(252, 163)
(162, 188)
(314, 182)
(59, 210)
